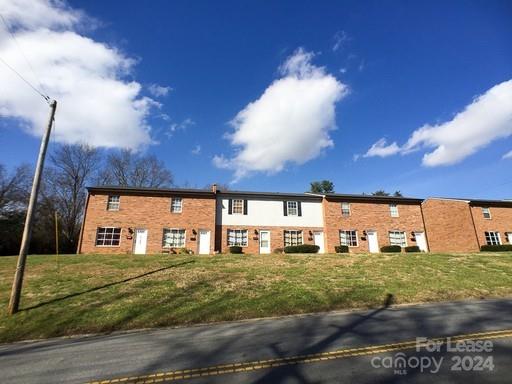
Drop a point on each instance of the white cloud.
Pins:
(196, 150)
(487, 118)
(183, 126)
(158, 90)
(97, 104)
(381, 149)
(340, 39)
(288, 123)
(508, 155)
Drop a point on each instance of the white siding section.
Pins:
(269, 212)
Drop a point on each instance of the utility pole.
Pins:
(27, 231)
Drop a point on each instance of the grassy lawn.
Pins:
(99, 293)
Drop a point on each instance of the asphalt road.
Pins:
(333, 347)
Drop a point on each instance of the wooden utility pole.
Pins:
(27, 231)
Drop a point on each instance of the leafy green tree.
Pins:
(324, 186)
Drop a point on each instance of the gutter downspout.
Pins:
(80, 238)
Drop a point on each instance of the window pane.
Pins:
(108, 236)
(292, 238)
(238, 207)
(348, 238)
(176, 204)
(345, 209)
(173, 238)
(393, 210)
(237, 237)
(486, 212)
(292, 208)
(113, 203)
(397, 238)
(492, 238)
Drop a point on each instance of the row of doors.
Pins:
(141, 241)
(265, 246)
(373, 241)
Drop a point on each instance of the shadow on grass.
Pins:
(71, 295)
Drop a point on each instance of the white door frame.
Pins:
(374, 233)
(269, 243)
(508, 235)
(199, 241)
(424, 246)
(136, 231)
(322, 245)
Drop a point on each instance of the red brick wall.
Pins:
(370, 215)
(151, 213)
(449, 226)
(500, 221)
(276, 237)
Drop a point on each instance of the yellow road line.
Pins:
(162, 377)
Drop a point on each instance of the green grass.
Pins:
(100, 293)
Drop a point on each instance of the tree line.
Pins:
(68, 170)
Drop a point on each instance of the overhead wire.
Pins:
(36, 89)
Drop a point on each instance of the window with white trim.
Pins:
(173, 238)
(292, 238)
(486, 212)
(108, 236)
(397, 238)
(393, 210)
(237, 237)
(348, 238)
(113, 203)
(492, 238)
(292, 207)
(238, 207)
(345, 209)
(176, 205)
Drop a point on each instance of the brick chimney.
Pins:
(214, 188)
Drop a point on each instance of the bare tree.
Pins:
(72, 167)
(129, 169)
(14, 191)
(14, 188)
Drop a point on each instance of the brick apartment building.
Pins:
(150, 220)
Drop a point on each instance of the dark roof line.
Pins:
(123, 188)
(306, 195)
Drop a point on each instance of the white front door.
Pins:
(509, 237)
(421, 242)
(373, 241)
(319, 240)
(141, 240)
(264, 242)
(204, 242)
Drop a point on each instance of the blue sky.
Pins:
(398, 66)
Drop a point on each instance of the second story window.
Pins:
(486, 212)
(113, 203)
(238, 207)
(176, 205)
(292, 208)
(393, 210)
(345, 209)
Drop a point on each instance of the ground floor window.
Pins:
(397, 238)
(348, 238)
(237, 237)
(292, 238)
(173, 238)
(108, 236)
(492, 238)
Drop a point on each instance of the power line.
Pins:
(46, 97)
